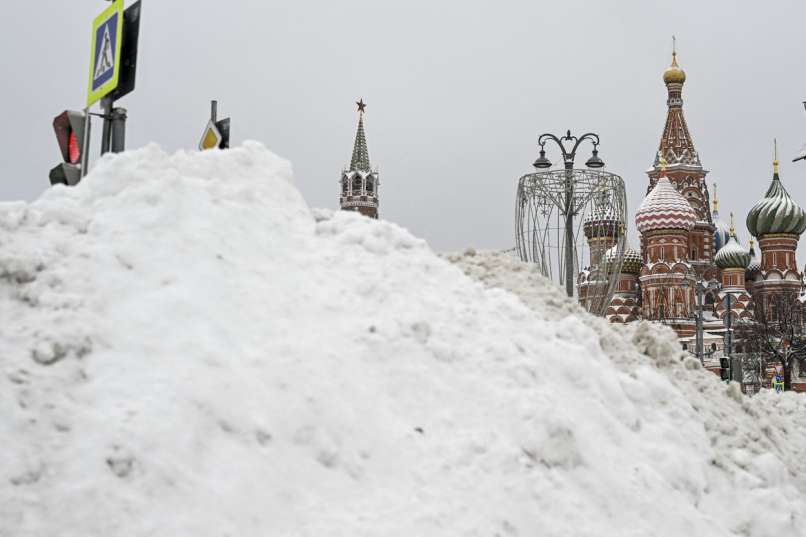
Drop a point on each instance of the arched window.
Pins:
(713, 347)
(357, 185)
(370, 186)
(344, 183)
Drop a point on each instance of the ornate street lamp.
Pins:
(548, 202)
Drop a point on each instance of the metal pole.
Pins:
(118, 130)
(569, 228)
(85, 144)
(699, 342)
(214, 111)
(106, 106)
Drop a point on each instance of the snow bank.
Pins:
(187, 349)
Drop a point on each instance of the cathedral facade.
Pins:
(690, 267)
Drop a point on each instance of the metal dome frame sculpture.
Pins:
(554, 207)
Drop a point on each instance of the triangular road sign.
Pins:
(211, 137)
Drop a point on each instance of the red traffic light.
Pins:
(73, 148)
(69, 129)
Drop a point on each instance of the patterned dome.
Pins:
(732, 255)
(664, 208)
(755, 261)
(632, 260)
(722, 232)
(776, 212)
(602, 222)
(673, 74)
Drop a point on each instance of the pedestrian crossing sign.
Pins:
(107, 30)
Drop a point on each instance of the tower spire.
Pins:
(676, 143)
(775, 157)
(360, 160)
(359, 184)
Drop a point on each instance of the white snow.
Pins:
(186, 349)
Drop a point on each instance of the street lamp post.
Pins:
(568, 208)
(700, 288)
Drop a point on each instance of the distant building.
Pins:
(359, 183)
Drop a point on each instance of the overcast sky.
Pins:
(457, 92)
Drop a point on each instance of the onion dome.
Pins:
(777, 212)
(732, 254)
(602, 222)
(664, 208)
(755, 261)
(722, 231)
(674, 74)
(632, 260)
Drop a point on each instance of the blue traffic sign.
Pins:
(105, 58)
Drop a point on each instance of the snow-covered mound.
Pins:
(186, 349)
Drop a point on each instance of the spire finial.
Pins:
(716, 201)
(674, 51)
(775, 162)
(732, 228)
(360, 160)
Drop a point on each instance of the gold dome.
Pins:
(673, 74)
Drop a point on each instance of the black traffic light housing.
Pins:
(724, 368)
(69, 129)
(223, 128)
(128, 50)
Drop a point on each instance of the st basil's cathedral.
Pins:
(684, 243)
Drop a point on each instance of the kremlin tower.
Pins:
(359, 183)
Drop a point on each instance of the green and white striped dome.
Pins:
(777, 212)
(732, 255)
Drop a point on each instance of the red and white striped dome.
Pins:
(664, 208)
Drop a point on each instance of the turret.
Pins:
(777, 221)
(733, 259)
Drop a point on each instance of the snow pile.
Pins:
(187, 349)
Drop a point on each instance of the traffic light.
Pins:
(724, 368)
(69, 129)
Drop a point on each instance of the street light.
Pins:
(568, 207)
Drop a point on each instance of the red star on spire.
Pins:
(361, 105)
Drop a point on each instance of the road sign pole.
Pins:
(118, 130)
(213, 111)
(106, 136)
(85, 144)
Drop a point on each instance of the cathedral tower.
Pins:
(685, 173)
(359, 183)
(665, 220)
(777, 221)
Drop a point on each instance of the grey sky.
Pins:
(457, 92)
